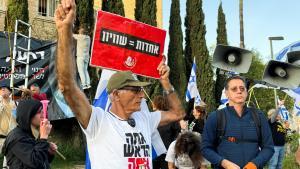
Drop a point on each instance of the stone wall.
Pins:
(42, 27)
(3, 4)
(2, 20)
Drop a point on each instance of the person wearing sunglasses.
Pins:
(121, 137)
(240, 146)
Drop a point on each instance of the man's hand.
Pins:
(229, 165)
(65, 14)
(280, 103)
(250, 165)
(163, 69)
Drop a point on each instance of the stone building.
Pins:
(41, 15)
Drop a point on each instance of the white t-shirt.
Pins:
(114, 144)
(183, 161)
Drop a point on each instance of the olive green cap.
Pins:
(122, 79)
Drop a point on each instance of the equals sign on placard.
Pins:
(131, 43)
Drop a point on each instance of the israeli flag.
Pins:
(281, 56)
(284, 113)
(224, 99)
(296, 109)
(102, 100)
(101, 97)
(192, 90)
(294, 93)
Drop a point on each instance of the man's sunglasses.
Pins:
(235, 89)
(134, 89)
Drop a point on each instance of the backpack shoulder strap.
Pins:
(257, 121)
(221, 123)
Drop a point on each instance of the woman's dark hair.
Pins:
(161, 103)
(189, 143)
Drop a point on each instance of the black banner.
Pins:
(41, 71)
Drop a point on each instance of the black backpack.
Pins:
(221, 123)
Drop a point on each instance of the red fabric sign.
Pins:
(124, 44)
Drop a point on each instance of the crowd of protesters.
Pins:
(188, 141)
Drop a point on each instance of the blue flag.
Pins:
(281, 56)
(192, 90)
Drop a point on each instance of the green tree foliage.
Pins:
(196, 47)
(145, 11)
(115, 6)
(175, 51)
(221, 39)
(16, 9)
(85, 15)
(264, 97)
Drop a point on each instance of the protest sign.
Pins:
(123, 44)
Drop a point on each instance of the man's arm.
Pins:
(176, 111)
(65, 64)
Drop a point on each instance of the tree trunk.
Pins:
(242, 43)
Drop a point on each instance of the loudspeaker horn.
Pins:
(232, 59)
(282, 74)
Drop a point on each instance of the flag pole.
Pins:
(256, 100)
(147, 95)
(250, 95)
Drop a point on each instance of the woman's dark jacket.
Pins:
(21, 149)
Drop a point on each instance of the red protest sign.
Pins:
(124, 44)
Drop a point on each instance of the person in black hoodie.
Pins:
(21, 148)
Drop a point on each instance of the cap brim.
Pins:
(138, 84)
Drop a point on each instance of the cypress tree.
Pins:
(16, 9)
(175, 51)
(115, 6)
(196, 47)
(85, 15)
(221, 39)
(145, 11)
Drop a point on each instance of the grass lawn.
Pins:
(61, 164)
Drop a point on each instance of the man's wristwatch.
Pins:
(171, 90)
